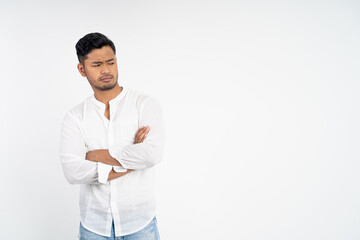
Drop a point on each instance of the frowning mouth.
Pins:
(106, 79)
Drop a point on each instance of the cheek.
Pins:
(92, 75)
(114, 69)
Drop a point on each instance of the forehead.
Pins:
(100, 54)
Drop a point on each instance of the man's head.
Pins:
(92, 41)
(97, 61)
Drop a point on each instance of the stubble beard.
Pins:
(107, 86)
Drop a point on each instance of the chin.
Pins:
(106, 87)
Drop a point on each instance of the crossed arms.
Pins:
(103, 155)
(83, 167)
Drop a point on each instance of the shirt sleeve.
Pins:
(150, 151)
(119, 169)
(77, 169)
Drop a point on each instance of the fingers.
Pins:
(137, 136)
(141, 134)
(144, 133)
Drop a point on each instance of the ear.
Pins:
(81, 69)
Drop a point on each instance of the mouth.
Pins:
(106, 79)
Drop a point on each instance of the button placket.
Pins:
(110, 132)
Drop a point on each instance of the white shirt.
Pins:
(129, 199)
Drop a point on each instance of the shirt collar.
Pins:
(112, 101)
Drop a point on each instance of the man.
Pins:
(109, 145)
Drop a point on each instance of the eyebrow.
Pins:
(97, 62)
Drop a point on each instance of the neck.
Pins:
(106, 96)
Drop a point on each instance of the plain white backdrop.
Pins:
(261, 102)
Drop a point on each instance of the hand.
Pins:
(102, 155)
(94, 155)
(113, 174)
(141, 134)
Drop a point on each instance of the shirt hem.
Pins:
(137, 230)
(101, 234)
(122, 234)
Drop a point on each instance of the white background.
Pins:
(261, 102)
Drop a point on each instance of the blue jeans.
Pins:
(150, 232)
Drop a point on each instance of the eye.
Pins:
(97, 65)
(112, 63)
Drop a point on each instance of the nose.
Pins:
(105, 69)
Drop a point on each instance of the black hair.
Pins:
(92, 41)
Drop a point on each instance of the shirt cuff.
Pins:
(103, 172)
(116, 152)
